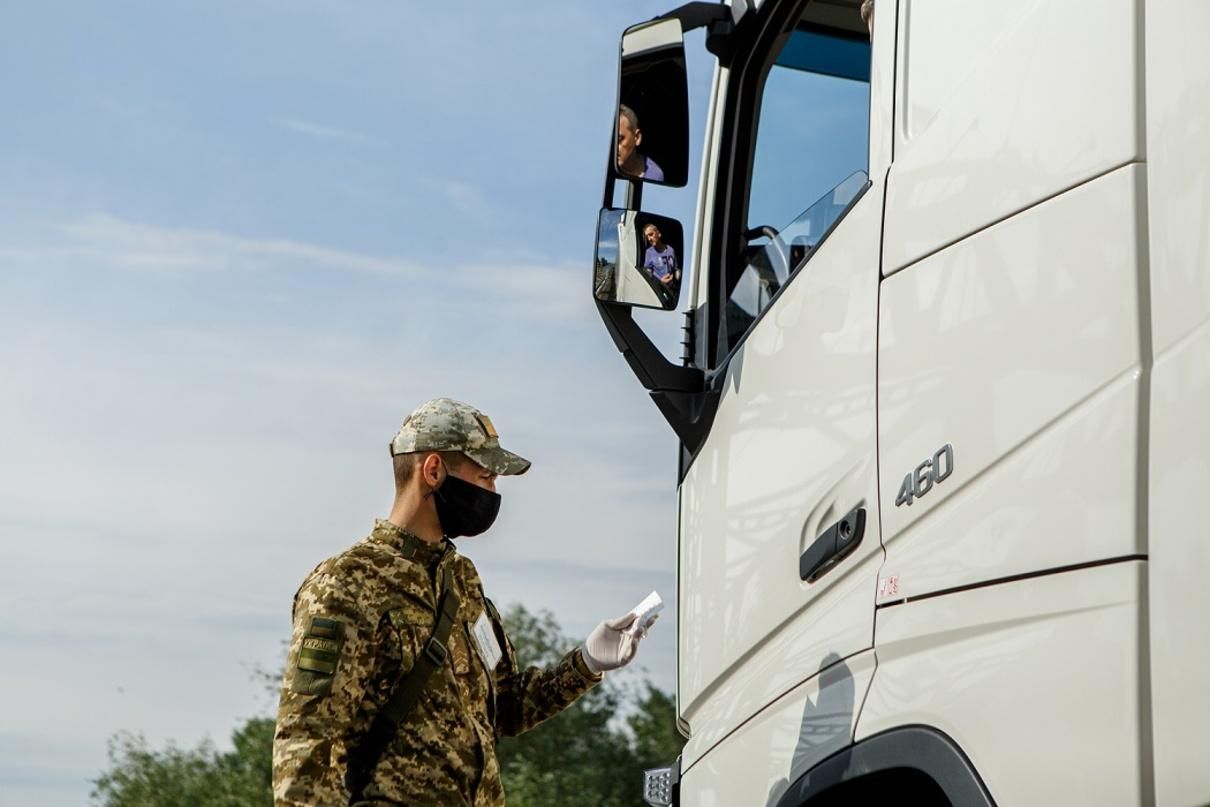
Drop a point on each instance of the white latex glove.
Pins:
(613, 643)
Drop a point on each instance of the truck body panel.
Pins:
(1018, 346)
(1178, 457)
(744, 530)
(814, 720)
(1002, 105)
(1038, 681)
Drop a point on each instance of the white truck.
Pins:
(945, 432)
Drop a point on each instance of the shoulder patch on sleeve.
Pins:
(318, 656)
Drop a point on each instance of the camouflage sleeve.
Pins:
(325, 682)
(524, 698)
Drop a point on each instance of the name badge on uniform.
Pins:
(485, 641)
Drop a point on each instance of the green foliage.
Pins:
(653, 724)
(592, 753)
(200, 777)
(586, 755)
(577, 753)
(537, 638)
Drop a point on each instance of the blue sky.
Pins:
(238, 243)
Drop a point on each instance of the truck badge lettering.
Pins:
(927, 474)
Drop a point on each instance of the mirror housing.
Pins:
(651, 124)
(678, 390)
(638, 259)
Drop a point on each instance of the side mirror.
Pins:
(638, 259)
(652, 121)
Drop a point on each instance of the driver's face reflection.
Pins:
(628, 140)
(653, 236)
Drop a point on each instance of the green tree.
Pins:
(592, 753)
(199, 777)
(586, 755)
(657, 742)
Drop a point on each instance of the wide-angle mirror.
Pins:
(638, 259)
(651, 123)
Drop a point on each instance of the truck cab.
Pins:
(943, 404)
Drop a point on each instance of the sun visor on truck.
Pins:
(828, 55)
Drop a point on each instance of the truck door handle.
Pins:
(832, 546)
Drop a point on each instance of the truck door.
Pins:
(785, 483)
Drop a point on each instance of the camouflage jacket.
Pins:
(360, 619)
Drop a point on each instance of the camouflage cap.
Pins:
(444, 424)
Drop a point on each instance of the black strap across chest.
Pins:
(407, 693)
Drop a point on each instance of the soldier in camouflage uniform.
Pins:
(362, 620)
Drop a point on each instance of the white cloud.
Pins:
(512, 288)
(466, 198)
(316, 130)
(120, 243)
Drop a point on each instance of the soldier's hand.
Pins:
(613, 643)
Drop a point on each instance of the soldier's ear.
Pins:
(431, 468)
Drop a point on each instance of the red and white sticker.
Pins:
(888, 587)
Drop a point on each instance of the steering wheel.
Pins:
(779, 250)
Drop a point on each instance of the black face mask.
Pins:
(463, 508)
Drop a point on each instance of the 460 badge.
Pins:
(927, 474)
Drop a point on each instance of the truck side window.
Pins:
(809, 161)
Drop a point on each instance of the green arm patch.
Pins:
(318, 657)
(326, 628)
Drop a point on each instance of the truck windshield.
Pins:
(812, 143)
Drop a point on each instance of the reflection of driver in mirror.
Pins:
(631, 161)
(660, 260)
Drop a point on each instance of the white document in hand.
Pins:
(646, 611)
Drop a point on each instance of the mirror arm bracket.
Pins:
(689, 413)
(655, 372)
(678, 392)
(716, 17)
